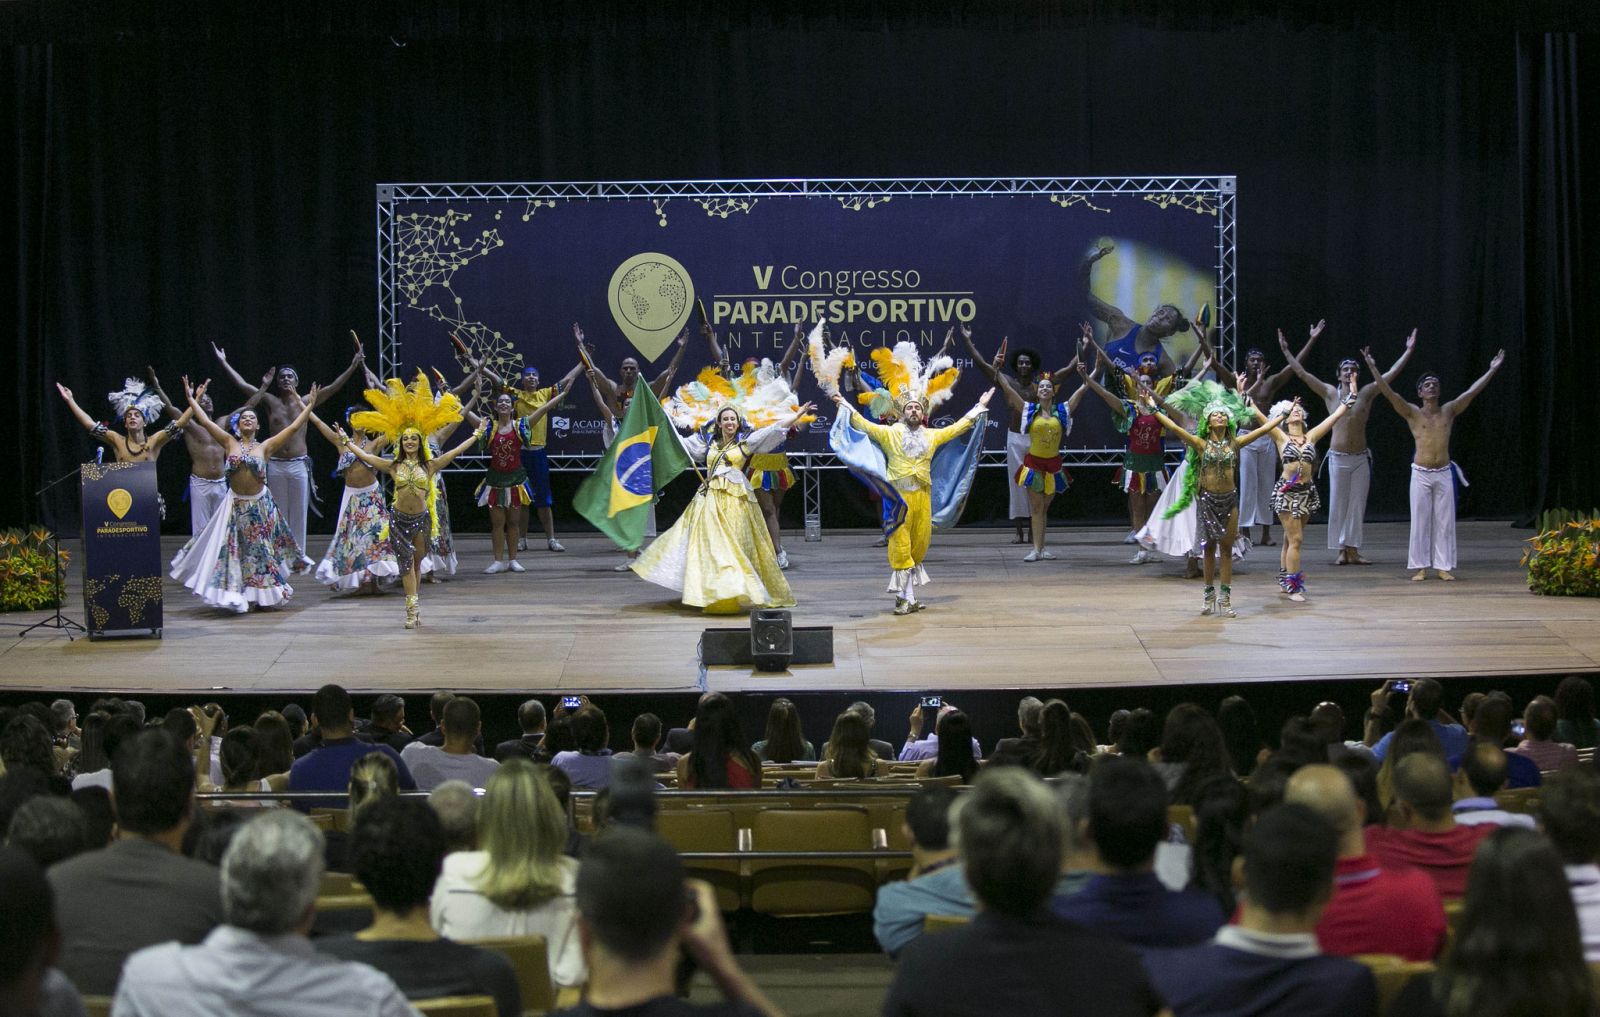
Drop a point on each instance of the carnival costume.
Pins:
(535, 460)
(1433, 516)
(1176, 534)
(505, 484)
(1144, 468)
(1046, 427)
(244, 554)
(924, 468)
(1349, 481)
(719, 555)
(135, 395)
(399, 410)
(441, 558)
(360, 549)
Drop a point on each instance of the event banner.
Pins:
(121, 548)
(509, 279)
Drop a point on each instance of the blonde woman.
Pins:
(373, 778)
(847, 754)
(518, 883)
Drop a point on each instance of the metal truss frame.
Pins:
(1223, 189)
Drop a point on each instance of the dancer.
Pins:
(405, 415)
(617, 393)
(718, 554)
(769, 472)
(505, 484)
(138, 408)
(1349, 462)
(360, 552)
(535, 460)
(1295, 496)
(1256, 471)
(1433, 495)
(1046, 424)
(246, 553)
(208, 488)
(289, 473)
(908, 450)
(1125, 339)
(1025, 363)
(1213, 470)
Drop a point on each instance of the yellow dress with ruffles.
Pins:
(718, 554)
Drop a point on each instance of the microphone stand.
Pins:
(57, 620)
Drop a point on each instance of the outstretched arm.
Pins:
(1075, 398)
(608, 388)
(353, 447)
(227, 368)
(1118, 322)
(1008, 388)
(445, 458)
(325, 392)
(1225, 374)
(91, 425)
(1269, 427)
(1172, 426)
(792, 350)
(161, 393)
(1464, 400)
(161, 437)
(990, 369)
(1394, 372)
(1060, 376)
(664, 380)
(315, 396)
(1098, 389)
(599, 397)
(551, 403)
(1349, 400)
(222, 437)
(1314, 383)
(329, 433)
(1405, 409)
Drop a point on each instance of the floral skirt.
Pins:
(242, 557)
(360, 546)
(718, 554)
(441, 558)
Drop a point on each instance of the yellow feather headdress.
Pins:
(398, 407)
(909, 380)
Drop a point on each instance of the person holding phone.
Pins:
(926, 716)
(1423, 699)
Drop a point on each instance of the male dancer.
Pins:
(135, 446)
(529, 397)
(618, 393)
(1349, 461)
(1258, 466)
(208, 487)
(289, 472)
(1024, 377)
(1433, 495)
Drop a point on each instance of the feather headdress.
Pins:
(909, 380)
(1200, 399)
(827, 364)
(758, 393)
(398, 407)
(135, 396)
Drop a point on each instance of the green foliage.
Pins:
(27, 574)
(1564, 559)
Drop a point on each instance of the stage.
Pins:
(1088, 619)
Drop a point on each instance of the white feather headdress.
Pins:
(135, 396)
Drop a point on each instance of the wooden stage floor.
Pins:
(1088, 619)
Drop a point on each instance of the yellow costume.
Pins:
(909, 455)
(527, 402)
(719, 554)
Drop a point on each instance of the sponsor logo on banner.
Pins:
(119, 502)
(651, 297)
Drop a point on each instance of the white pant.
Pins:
(1433, 518)
(289, 480)
(1349, 480)
(1016, 448)
(1258, 462)
(205, 497)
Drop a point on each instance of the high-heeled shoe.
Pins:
(413, 615)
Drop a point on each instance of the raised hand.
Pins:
(311, 397)
(1499, 358)
(1411, 340)
(1087, 331)
(357, 340)
(1283, 344)
(806, 408)
(983, 400)
(1316, 329)
(577, 332)
(266, 379)
(966, 331)
(1366, 354)
(222, 354)
(202, 389)
(837, 397)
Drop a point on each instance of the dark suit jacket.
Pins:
(527, 747)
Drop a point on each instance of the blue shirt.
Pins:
(327, 768)
(585, 771)
(901, 907)
(928, 748)
(1140, 911)
(1452, 736)
(1249, 974)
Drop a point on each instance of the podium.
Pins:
(121, 549)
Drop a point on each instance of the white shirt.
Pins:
(1477, 811)
(235, 971)
(460, 912)
(1585, 883)
(431, 766)
(95, 778)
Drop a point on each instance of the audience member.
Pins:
(17, 789)
(1013, 957)
(50, 828)
(396, 850)
(917, 747)
(388, 723)
(373, 778)
(935, 886)
(1191, 752)
(1127, 819)
(208, 837)
(1328, 717)
(25, 745)
(1139, 734)
(1482, 776)
(518, 883)
(589, 766)
(1569, 814)
(636, 916)
(274, 743)
(456, 805)
(1538, 744)
(1221, 813)
(1516, 948)
(1265, 786)
(1241, 736)
(720, 758)
(847, 755)
(879, 747)
(91, 746)
(436, 704)
(1078, 858)
(295, 716)
(432, 765)
(956, 754)
(140, 890)
(1424, 833)
(1423, 703)
(1576, 724)
(260, 962)
(1020, 751)
(1268, 963)
(1061, 747)
(646, 737)
(530, 720)
(1375, 909)
(327, 767)
(1410, 735)
(784, 741)
(100, 823)
(30, 943)
(1492, 723)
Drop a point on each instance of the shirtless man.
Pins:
(208, 488)
(1433, 494)
(618, 393)
(135, 446)
(1258, 469)
(1024, 377)
(1349, 462)
(289, 472)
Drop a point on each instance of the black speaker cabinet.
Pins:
(749, 647)
(771, 640)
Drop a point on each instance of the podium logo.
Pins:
(651, 297)
(119, 501)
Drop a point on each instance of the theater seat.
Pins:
(530, 958)
(456, 1006)
(1391, 973)
(939, 923)
(97, 1006)
(706, 830)
(810, 887)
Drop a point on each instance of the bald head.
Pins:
(1328, 791)
(1485, 768)
(1422, 782)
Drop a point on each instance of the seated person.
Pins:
(1425, 834)
(935, 886)
(455, 759)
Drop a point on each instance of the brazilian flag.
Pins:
(645, 457)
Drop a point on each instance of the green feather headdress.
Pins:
(1200, 399)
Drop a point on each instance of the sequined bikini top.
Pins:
(255, 465)
(1293, 453)
(1218, 453)
(410, 476)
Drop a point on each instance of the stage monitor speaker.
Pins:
(808, 645)
(771, 640)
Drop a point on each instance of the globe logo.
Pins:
(651, 297)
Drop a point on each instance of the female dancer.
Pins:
(505, 489)
(1214, 470)
(406, 415)
(769, 472)
(246, 552)
(1295, 496)
(359, 553)
(1046, 423)
(719, 554)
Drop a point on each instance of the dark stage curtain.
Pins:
(207, 173)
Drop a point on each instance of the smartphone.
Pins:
(932, 702)
(571, 702)
(1400, 685)
(1519, 729)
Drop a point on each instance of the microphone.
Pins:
(100, 455)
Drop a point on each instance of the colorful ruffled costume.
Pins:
(245, 553)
